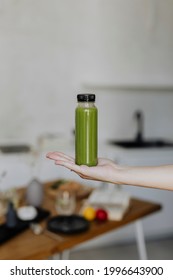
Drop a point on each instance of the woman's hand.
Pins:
(106, 170)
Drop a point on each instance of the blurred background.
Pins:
(121, 50)
(52, 50)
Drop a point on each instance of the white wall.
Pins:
(52, 50)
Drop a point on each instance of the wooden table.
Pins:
(30, 246)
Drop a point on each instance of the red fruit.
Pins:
(101, 215)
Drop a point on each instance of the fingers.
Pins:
(69, 164)
(64, 160)
(59, 156)
(83, 171)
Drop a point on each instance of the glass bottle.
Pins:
(86, 118)
(11, 216)
(35, 190)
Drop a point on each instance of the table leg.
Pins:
(140, 239)
(65, 255)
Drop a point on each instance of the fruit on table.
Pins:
(101, 214)
(89, 213)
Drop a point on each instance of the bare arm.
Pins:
(151, 176)
(108, 171)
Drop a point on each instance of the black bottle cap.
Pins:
(86, 97)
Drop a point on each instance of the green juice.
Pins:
(86, 135)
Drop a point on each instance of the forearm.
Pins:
(152, 177)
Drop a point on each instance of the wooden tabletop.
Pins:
(27, 245)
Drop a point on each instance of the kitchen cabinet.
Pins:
(16, 168)
(160, 224)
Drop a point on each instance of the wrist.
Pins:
(121, 175)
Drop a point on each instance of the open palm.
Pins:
(102, 172)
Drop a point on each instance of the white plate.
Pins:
(26, 213)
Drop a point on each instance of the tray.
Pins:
(67, 224)
(7, 233)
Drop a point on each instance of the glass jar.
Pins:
(86, 118)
